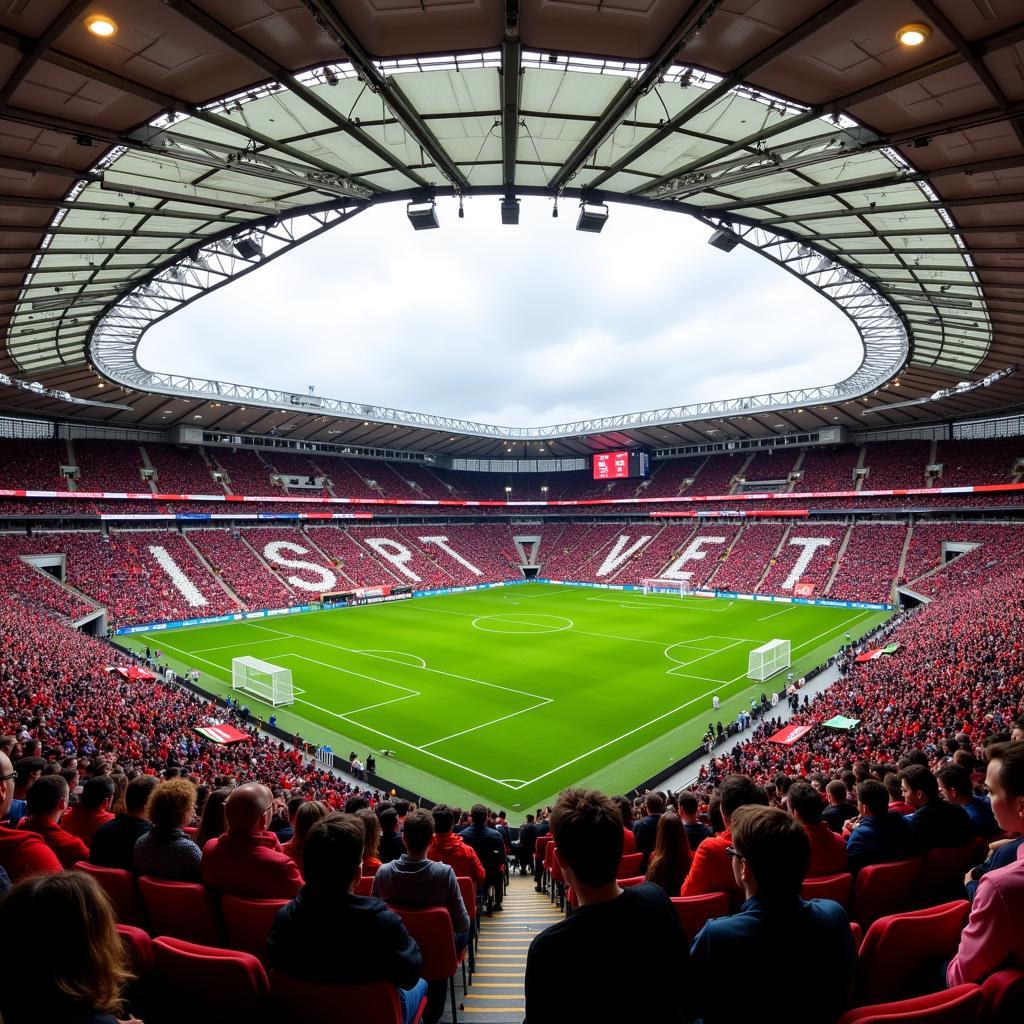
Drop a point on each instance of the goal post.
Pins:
(271, 683)
(657, 586)
(768, 659)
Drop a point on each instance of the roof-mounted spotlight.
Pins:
(422, 215)
(913, 34)
(248, 247)
(724, 239)
(510, 210)
(592, 217)
(100, 25)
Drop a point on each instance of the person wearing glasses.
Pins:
(247, 860)
(21, 853)
(770, 853)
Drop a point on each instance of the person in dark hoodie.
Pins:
(329, 935)
(877, 835)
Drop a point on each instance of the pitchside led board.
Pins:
(619, 465)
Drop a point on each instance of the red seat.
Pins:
(1003, 995)
(943, 870)
(206, 985)
(558, 884)
(882, 889)
(311, 1002)
(858, 935)
(695, 911)
(629, 865)
(628, 883)
(431, 927)
(120, 886)
(139, 948)
(248, 922)
(902, 954)
(364, 885)
(184, 910)
(467, 889)
(829, 887)
(958, 1005)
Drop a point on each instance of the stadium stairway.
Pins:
(496, 995)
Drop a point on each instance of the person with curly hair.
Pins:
(166, 851)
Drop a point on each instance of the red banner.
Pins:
(788, 735)
(804, 590)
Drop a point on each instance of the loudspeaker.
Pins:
(724, 239)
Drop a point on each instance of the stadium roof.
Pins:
(204, 137)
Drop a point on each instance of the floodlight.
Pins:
(724, 239)
(422, 216)
(913, 34)
(592, 217)
(510, 210)
(247, 247)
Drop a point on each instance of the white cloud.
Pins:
(521, 326)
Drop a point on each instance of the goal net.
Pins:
(270, 683)
(680, 587)
(768, 659)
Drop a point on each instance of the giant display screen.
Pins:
(619, 465)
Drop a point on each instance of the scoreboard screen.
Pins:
(620, 465)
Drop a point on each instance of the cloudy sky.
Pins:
(519, 326)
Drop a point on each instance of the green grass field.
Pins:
(512, 694)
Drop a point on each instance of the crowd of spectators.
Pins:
(181, 470)
(748, 558)
(870, 562)
(244, 571)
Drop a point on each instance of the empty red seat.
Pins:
(207, 985)
(695, 911)
(959, 1005)
(184, 910)
(882, 889)
(942, 873)
(364, 885)
(311, 1002)
(902, 955)
(829, 887)
(120, 886)
(248, 922)
(629, 865)
(1003, 995)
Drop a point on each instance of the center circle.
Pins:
(522, 623)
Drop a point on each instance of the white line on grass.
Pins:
(348, 671)
(436, 671)
(693, 661)
(765, 618)
(638, 728)
(359, 725)
(484, 725)
(228, 647)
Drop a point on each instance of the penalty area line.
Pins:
(484, 725)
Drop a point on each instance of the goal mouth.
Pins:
(769, 659)
(272, 684)
(681, 588)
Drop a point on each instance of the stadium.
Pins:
(318, 708)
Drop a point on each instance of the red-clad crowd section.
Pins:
(90, 465)
(165, 574)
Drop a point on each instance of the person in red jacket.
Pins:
(828, 851)
(47, 801)
(711, 868)
(21, 853)
(92, 810)
(451, 850)
(248, 860)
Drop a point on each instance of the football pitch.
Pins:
(512, 694)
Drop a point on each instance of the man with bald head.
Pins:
(247, 860)
(21, 853)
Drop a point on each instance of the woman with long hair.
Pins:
(371, 849)
(670, 859)
(306, 817)
(84, 982)
(212, 822)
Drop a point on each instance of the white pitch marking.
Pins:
(351, 672)
(513, 619)
(227, 647)
(435, 671)
(484, 725)
(693, 661)
(374, 652)
(765, 618)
